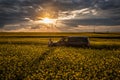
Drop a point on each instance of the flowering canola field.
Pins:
(31, 59)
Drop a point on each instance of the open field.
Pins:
(25, 56)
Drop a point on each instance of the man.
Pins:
(50, 42)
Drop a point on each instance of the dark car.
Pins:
(75, 41)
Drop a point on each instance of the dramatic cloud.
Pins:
(24, 13)
(13, 11)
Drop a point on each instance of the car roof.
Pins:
(77, 37)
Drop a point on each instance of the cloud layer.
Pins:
(69, 12)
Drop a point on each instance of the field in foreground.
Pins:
(25, 56)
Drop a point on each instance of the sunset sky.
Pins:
(59, 15)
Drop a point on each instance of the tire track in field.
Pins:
(42, 57)
(35, 63)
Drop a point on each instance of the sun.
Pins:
(48, 21)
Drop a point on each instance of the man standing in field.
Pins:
(50, 42)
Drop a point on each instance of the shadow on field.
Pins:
(24, 43)
(100, 47)
(107, 47)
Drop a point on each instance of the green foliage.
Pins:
(31, 59)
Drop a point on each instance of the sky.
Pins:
(70, 15)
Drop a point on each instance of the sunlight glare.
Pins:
(48, 21)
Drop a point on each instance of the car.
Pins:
(74, 41)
